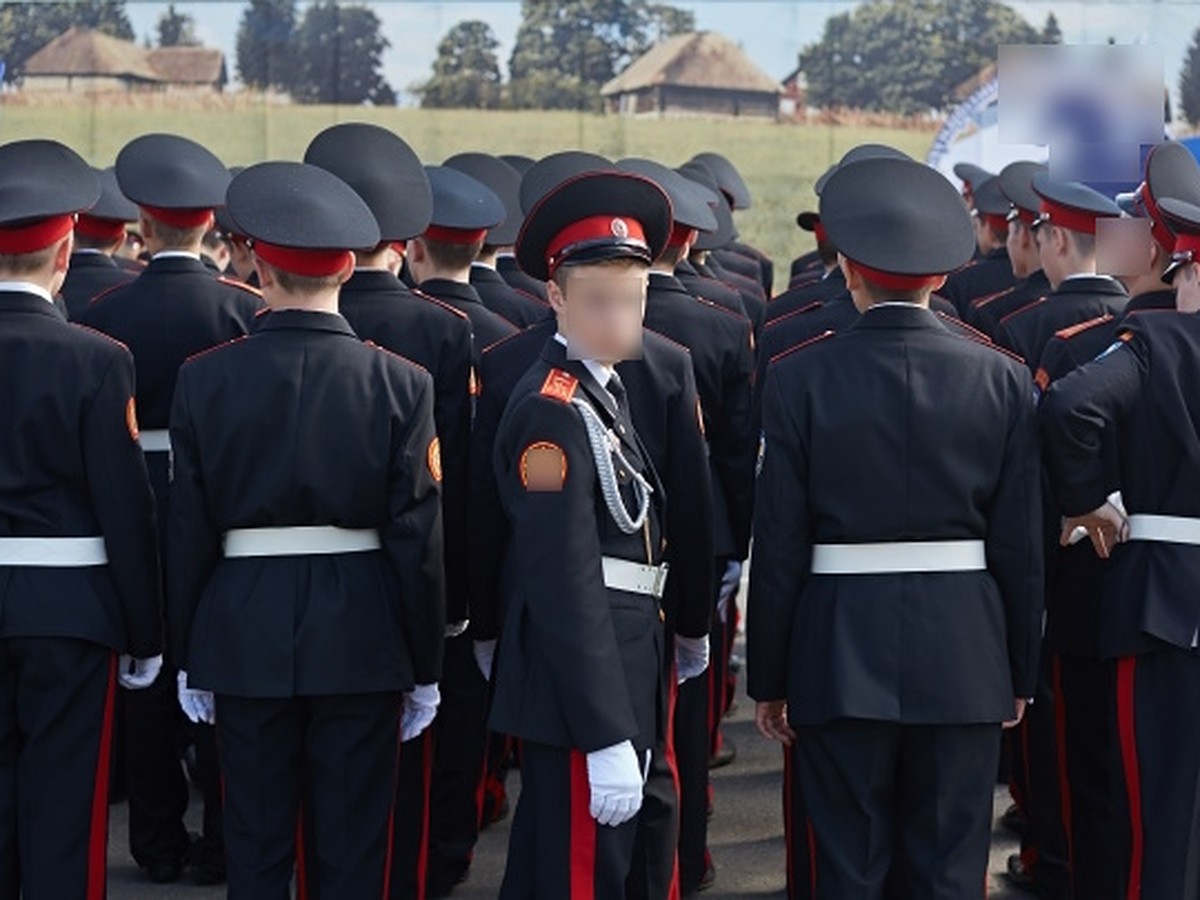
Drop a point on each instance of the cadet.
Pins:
(579, 667)
(177, 306)
(78, 552)
(518, 306)
(99, 233)
(1134, 401)
(991, 271)
(464, 210)
(304, 551)
(895, 601)
(1066, 238)
(386, 173)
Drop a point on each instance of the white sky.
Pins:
(771, 31)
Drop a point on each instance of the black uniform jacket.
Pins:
(986, 312)
(91, 273)
(662, 396)
(1027, 331)
(722, 353)
(382, 309)
(983, 276)
(579, 665)
(512, 304)
(303, 424)
(896, 430)
(70, 467)
(1139, 397)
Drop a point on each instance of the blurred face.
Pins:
(600, 309)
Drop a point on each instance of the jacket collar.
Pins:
(444, 289)
(899, 315)
(28, 302)
(304, 320)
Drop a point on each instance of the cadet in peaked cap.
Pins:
(99, 234)
(386, 173)
(591, 716)
(970, 175)
(847, 676)
(737, 256)
(521, 308)
(1016, 183)
(313, 655)
(175, 307)
(80, 558)
(464, 211)
(990, 272)
(1066, 235)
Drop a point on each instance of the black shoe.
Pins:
(724, 756)
(1023, 878)
(206, 860)
(1014, 820)
(708, 879)
(441, 883)
(735, 663)
(164, 872)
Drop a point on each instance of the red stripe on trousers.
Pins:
(301, 859)
(426, 781)
(1064, 786)
(97, 864)
(391, 825)
(583, 832)
(1127, 735)
(674, 892)
(812, 857)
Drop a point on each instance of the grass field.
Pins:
(780, 161)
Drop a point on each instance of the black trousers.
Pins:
(1158, 733)
(410, 832)
(460, 750)
(333, 757)
(692, 754)
(882, 796)
(654, 874)
(1090, 766)
(556, 850)
(57, 706)
(153, 727)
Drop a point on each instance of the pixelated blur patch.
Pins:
(543, 467)
(131, 421)
(1093, 105)
(1123, 247)
(434, 459)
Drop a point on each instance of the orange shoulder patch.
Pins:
(543, 467)
(131, 421)
(474, 387)
(1042, 380)
(560, 385)
(700, 416)
(433, 458)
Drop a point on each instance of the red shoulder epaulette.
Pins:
(395, 355)
(1067, 333)
(1028, 306)
(215, 347)
(803, 345)
(981, 302)
(241, 285)
(816, 304)
(500, 341)
(659, 334)
(559, 385)
(966, 330)
(417, 292)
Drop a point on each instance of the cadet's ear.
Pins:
(62, 254)
(554, 294)
(853, 279)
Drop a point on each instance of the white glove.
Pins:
(199, 706)
(730, 579)
(138, 674)
(485, 653)
(691, 657)
(420, 709)
(616, 782)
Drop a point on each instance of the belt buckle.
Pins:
(660, 580)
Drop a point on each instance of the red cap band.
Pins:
(996, 221)
(1071, 218)
(400, 246)
(38, 236)
(593, 228)
(1158, 228)
(1027, 216)
(896, 282)
(820, 233)
(309, 263)
(1186, 242)
(454, 235)
(181, 218)
(681, 234)
(110, 230)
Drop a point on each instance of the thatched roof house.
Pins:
(80, 59)
(701, 73)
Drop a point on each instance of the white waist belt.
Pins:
(53, 552)
(1167, 529)
(899, 557)
(155, 441)
(637, 578)
(304, 540)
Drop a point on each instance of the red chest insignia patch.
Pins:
(560, 385)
